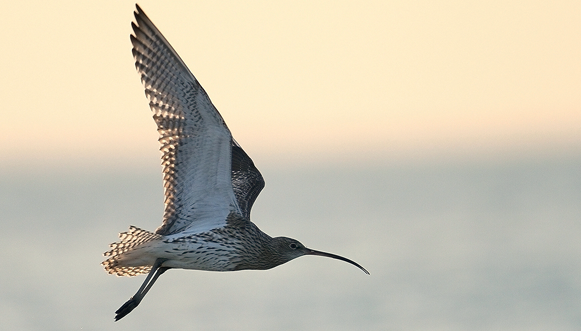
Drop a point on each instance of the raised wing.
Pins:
(196, 144)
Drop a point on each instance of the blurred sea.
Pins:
(493, 246)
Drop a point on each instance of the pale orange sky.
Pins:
(301, 81)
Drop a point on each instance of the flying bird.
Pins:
(210, 183)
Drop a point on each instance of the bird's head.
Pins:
(288, 249)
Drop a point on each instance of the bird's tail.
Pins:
(130, 241)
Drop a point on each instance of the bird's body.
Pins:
(237, 246)
(210, 183)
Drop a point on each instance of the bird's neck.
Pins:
(258, 252)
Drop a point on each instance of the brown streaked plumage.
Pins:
(210, 183)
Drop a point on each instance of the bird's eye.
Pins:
(293, 246)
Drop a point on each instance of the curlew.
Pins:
(210, 183)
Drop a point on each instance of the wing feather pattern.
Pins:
(247, 181)
(206, 174)
(195, 142)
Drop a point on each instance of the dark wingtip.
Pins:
(140, 15)
(138, 10)
(134, 27)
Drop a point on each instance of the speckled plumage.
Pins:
(210, 183)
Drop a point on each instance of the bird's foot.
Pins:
(126, 308)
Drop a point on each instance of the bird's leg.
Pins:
(156, 271)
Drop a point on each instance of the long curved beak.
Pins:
(333, 256)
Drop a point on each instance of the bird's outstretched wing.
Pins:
(206, 173)
(196, 144)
